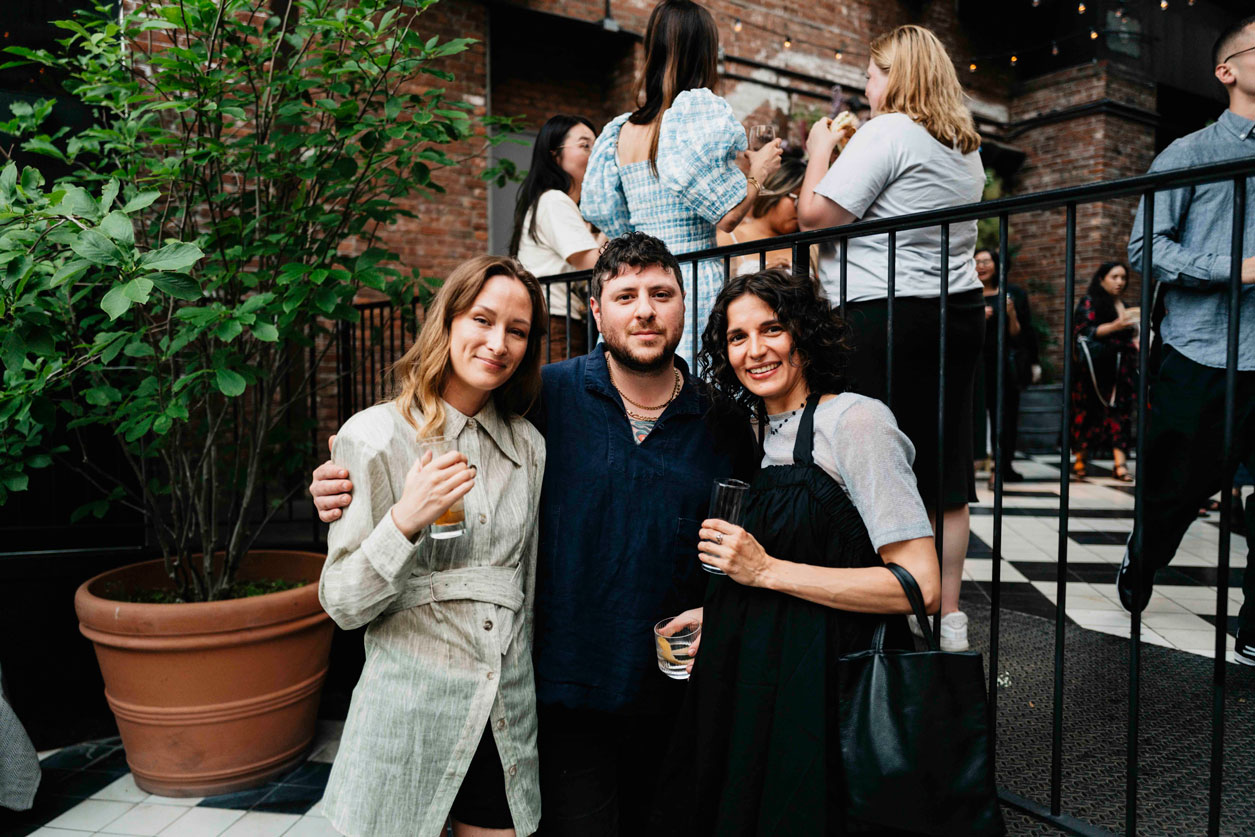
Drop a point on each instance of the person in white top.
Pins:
(918, 152)
(550, 236)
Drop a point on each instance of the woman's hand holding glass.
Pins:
(764, 162)
(431, 487)
(735, 551)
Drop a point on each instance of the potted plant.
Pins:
(180, 289)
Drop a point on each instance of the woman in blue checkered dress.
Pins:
(676, 168)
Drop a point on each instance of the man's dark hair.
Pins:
(637, 250)
(1224, 44)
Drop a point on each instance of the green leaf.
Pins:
(39, 460)
(175, 257)
(138, 349)
(137, 290)
(39, 145)
(228, 330)
(162, 424)
(16, 482)
(118, 227)
(230, 383)
(326, 299)
(77, 202)
(8, 179)
(255, 302)
(68, 272)
(96, 248)
(266, 332)
(116, 303)
(141, 201)
(179, 287)
(109, 194)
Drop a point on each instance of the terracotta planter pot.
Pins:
(213, 697)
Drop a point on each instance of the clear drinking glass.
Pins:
(452, 523)
(674, 652)
(760, 135)
(726, 499)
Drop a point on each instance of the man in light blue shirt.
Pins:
(1190, 250)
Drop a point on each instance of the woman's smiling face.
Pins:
(760, 351)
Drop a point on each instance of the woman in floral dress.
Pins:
(1105, 387)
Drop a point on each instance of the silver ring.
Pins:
(719, 538)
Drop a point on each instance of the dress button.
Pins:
(487, 624)
(501, 724)
(513, 769)
(483, 518)
(491, 675)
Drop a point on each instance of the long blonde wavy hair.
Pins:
(923, 85)
(423, 371)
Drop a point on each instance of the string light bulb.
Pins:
(1015, 59)
(736, 25)
(788, 42)
(971, 68)
(1080, 8)
(839, 53)
(1054, 47)
(1163, 5)
(1036, 3)
(1093, 34)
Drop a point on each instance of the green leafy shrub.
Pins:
(181, 286)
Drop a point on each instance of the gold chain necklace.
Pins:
(674, 392)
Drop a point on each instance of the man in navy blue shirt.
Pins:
(633, 445)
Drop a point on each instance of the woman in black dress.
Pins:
(758, 743)
(1019, 366)
(1105, 389)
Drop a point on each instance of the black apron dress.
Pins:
(757, 747)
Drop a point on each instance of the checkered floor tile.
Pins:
(1182, 611)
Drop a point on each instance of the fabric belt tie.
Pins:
(495, 585)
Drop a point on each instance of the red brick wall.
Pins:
(1082, 149)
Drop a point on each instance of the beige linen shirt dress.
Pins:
(448, 642)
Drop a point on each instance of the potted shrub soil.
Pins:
(180, 288)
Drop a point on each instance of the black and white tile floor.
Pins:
(1182, 611)
(87, 788)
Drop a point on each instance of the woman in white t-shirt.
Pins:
(550, 236)
(918, 152)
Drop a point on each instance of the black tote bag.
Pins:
(915, 738)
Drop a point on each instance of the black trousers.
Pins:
(1183, 459)
(598, 771)
(985, 404)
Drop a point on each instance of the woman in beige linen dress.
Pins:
(442, 723)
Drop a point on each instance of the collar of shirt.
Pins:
(1234, 124)
(597, 379)
(497, 428)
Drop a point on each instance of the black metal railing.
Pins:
(362, 384)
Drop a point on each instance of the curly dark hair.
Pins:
(820, 336)
(634, 249)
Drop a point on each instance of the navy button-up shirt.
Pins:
(618, 533)
(1192, 236)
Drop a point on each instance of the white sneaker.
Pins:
(954, 631)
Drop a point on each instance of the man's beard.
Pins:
(625, 358)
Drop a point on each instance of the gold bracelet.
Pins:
(753, 181)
